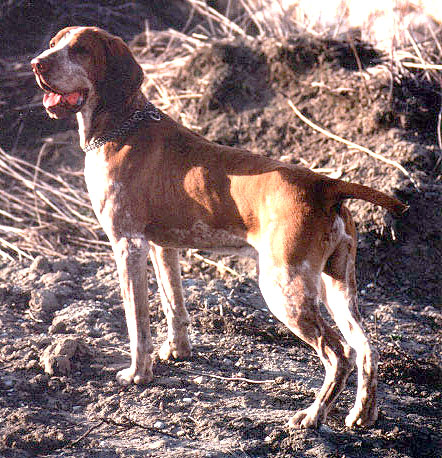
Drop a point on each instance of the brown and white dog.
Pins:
(157, 187)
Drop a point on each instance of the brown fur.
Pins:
(164, 187)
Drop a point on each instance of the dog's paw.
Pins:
(172, 351)
(307, 418)
(362, 417)
(128, 376)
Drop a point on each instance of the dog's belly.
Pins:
(202, 237)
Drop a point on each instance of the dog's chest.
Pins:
(105, 194)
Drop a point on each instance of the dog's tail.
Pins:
(339, 190)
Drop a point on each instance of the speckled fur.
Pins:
(164, 188)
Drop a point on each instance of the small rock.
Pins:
(325, 429)
(8, 382)
(200, 380)
(159, 425)
(58, 326)
(57, 357)
(43, 303)
(32, 365)
(187, 400)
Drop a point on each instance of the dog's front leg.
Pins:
(131, 258)
(168, 273)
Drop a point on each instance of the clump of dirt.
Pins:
(248, 374)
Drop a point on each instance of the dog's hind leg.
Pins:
(339, 296)
(292, 293)
(167, 270)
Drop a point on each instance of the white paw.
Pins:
(128, 376)
(361, 417)
(304, 419)
(172, 351)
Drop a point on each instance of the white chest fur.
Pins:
(103, 192)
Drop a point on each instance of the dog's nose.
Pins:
(39, 65)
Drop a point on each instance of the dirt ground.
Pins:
(63, 335)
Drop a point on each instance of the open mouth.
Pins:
(55, 101)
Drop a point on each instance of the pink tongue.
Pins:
(51, 99)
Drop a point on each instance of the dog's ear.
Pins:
(122, 76)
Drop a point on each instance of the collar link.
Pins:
(150, 111)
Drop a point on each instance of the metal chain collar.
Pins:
(150, 111)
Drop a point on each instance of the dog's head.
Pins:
(86, 67)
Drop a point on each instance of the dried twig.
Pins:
(352, 144)
(439, 137)
(128, 423)
(423, 66)
(228, 379)
(221, 267)
(211, 14)
(15, 248)
(83, 436)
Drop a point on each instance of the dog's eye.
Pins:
(51, 44)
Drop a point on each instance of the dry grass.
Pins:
(49, 213)
(42, 212)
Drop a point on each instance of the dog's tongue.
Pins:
(51, 99)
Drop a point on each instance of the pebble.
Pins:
(325, 429)
(8, 382)
(187, 400)
(200, 380)
(159, 425)
(43, 302)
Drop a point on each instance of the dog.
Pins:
(157, 187)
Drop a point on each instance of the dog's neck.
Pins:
(94, 122)
(84, 120)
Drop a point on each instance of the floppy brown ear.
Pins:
(122, 75)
